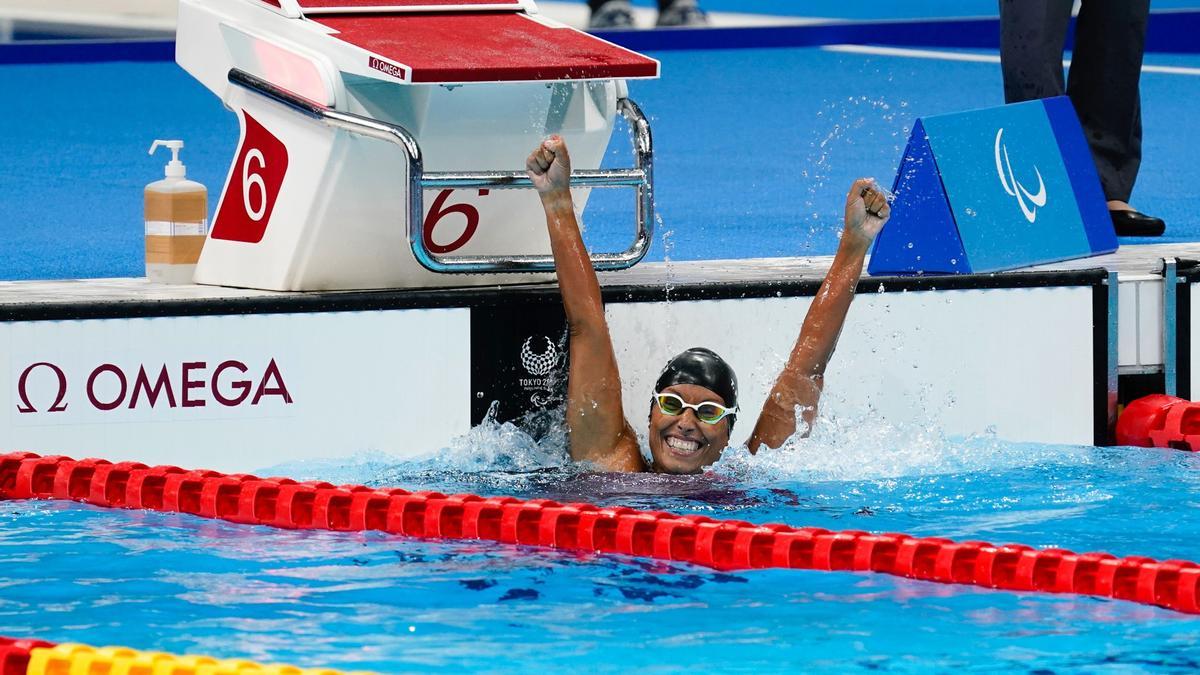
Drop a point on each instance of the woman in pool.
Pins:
(695, 399)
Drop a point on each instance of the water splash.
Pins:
(534, 442)
(845, 445)
(856, 447)
(507, 446)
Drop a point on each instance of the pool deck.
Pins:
(91, 19)
(1133, 263)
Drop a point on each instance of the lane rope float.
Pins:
(38, 657)
(720, 544)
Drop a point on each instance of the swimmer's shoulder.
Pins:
(626, 455)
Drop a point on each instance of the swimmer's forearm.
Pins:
(827, 314)
(576, 278)
(803, 376)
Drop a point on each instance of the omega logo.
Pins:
(22, 390)
(109, 387)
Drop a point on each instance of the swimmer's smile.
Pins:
(683, 447)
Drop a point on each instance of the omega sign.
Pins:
(44, 387)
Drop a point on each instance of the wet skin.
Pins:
(597, 429)
(682, 443)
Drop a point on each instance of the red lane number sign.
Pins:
(438, 211)
(253, 187)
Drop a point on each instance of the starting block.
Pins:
(372, 130)
(995, 189)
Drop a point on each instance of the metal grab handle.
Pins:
(640, 177)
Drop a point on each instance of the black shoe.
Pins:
(682, 14)
(1134, 224)
(614, 14)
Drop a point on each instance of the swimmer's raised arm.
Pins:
(597, 429)
(803, 376)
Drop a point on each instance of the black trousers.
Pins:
(595, 4)
(1110, 36)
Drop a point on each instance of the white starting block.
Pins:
(372, 131)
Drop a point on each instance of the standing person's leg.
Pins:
(608, 14)
(674, 13)
(1032, 35)
(1106, 68)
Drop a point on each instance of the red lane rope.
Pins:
(721, 544)
(14, 654)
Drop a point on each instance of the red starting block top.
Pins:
(484, 47)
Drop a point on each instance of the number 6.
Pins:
(249, 179)
(438, 211)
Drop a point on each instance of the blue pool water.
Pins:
(184, 584)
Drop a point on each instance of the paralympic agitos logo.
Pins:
(46, 387)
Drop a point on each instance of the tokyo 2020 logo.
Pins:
(543, 362)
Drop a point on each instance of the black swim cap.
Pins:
(703, 367)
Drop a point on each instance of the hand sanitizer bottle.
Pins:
(176, 221)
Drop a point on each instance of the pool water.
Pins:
(185, 584)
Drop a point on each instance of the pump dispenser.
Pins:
(176, 221)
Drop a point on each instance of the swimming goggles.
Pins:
(708, 412)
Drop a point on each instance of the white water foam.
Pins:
(506, 446)
(846, 445)
(851, 441)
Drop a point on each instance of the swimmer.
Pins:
(694, 403)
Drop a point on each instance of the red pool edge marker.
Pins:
(1160, 421)
(720, 544)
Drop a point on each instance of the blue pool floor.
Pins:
(755, 149)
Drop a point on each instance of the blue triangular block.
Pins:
(1089, 195)
(921, 235)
